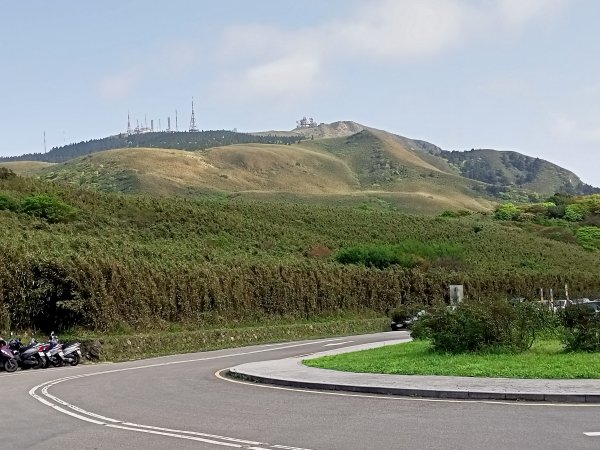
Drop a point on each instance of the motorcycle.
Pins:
(28, 356)
(72, 353)
(53, 352)
(7, 357)
(59, 354)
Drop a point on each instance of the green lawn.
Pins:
(545, 360)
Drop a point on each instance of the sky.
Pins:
(518, 75)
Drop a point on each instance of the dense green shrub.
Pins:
(589, 237)
(556, 212)
(575, 212)
(408, 254)
(8, 203)
(582, 328)
(507, 211)
(483, 325)
(454, 214)
(48, 207)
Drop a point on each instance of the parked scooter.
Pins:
(28, 356)
(7, 358)
(72, 353)
(53, 352)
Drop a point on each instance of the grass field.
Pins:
(326, 171)
(544, 360)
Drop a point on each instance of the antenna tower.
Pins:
(176, 127)
(193, 127)
(129, 132)
(44, 141)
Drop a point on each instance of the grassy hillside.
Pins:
(338, 163)
(366, 167)
(76, 256)
(27, 168)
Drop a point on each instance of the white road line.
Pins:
(195, 433)
(337, 343)
(180, 434)
(593, 434)
(219, 375)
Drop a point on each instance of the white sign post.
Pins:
(456, 294)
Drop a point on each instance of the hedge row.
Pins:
(102, 294)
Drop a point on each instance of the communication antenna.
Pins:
(159, 125)
(169, 123)
(193, 127)
(176, 127)
(44, 141)
(128, 124)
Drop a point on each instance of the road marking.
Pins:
(337, 343)
(219, 375)
(180, 434)
(592, 434)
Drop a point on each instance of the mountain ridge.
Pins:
(343, 159)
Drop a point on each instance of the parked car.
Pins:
(592, 305)
(405, 323)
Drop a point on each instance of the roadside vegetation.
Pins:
(71, 257)
(495, 338)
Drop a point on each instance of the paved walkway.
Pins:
(291, 372)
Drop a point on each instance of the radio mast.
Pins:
(193, 127)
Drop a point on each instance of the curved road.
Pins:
(180, 402)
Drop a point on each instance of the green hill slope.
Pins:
(366, 168)
(76, 256)
(338, 163)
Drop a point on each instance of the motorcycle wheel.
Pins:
(57, 363)
(41, 363)
(75, 360)
(10, 365)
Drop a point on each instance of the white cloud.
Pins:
(288, 76)
(384, 31)
(399, 28)
(519, 12)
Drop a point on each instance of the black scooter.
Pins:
(28, 356)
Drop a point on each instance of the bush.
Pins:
(575, 212)
(6, 174)
(8, 203)
(484, 325)
(407, 254)
(508, 211)
(49, 208)
(581, 328)
(588, 237)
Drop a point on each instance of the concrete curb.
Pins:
(291, 372)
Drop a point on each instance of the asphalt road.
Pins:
(179, 402)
